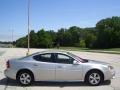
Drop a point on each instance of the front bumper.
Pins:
(110, 74)
(10, 73)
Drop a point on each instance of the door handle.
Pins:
(59, 67)
(35, 65)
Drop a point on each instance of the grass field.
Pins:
(77, 48)
(110, 50)
(73, 48)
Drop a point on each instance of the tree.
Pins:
(44, 39)
(82, 43)
(52, 36)
(33, 39)
(75, 34)
(22, 42)
(108, 32)
(60, 37)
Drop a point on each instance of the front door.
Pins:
(66, 70)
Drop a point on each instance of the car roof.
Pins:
(46, 51)
(55, 51)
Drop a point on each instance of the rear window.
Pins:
(27, 56)
(43, 57)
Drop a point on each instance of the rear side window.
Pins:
(44, 57)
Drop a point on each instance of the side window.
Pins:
(43, 57)
(61, 58)
(46, 56)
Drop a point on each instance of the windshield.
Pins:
(76, 57)
(79, 59)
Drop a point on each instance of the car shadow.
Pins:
(10, 82)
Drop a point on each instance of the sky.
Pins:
(52, 15)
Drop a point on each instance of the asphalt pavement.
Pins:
(8, 84)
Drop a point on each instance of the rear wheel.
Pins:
(94, 78)
(25, 78)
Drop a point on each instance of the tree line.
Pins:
(106, 34)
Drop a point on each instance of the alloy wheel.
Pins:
(94, 78)
(25, 78)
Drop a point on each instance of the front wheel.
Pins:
(94, 78)
(25, 78)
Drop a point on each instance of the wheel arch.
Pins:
(97, 70)
(25, 70)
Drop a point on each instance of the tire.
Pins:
(94, 78)
(25, 78)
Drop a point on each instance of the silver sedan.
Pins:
(55, 65)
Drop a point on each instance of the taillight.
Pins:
(8, 64)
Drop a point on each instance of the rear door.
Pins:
(66, 70)
(44, 67)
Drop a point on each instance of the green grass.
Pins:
(78, 48)
(73, 48)
(110, 50)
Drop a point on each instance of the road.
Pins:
(7, 84)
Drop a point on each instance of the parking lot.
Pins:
(6, 84)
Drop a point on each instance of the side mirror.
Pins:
(75, 62)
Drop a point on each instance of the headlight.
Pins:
(110, 67)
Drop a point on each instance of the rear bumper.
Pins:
(10, 73)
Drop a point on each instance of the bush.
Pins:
(82, 43)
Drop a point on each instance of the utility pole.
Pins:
(12, 37)
(28, 27)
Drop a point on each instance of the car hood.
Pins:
(97, 62)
